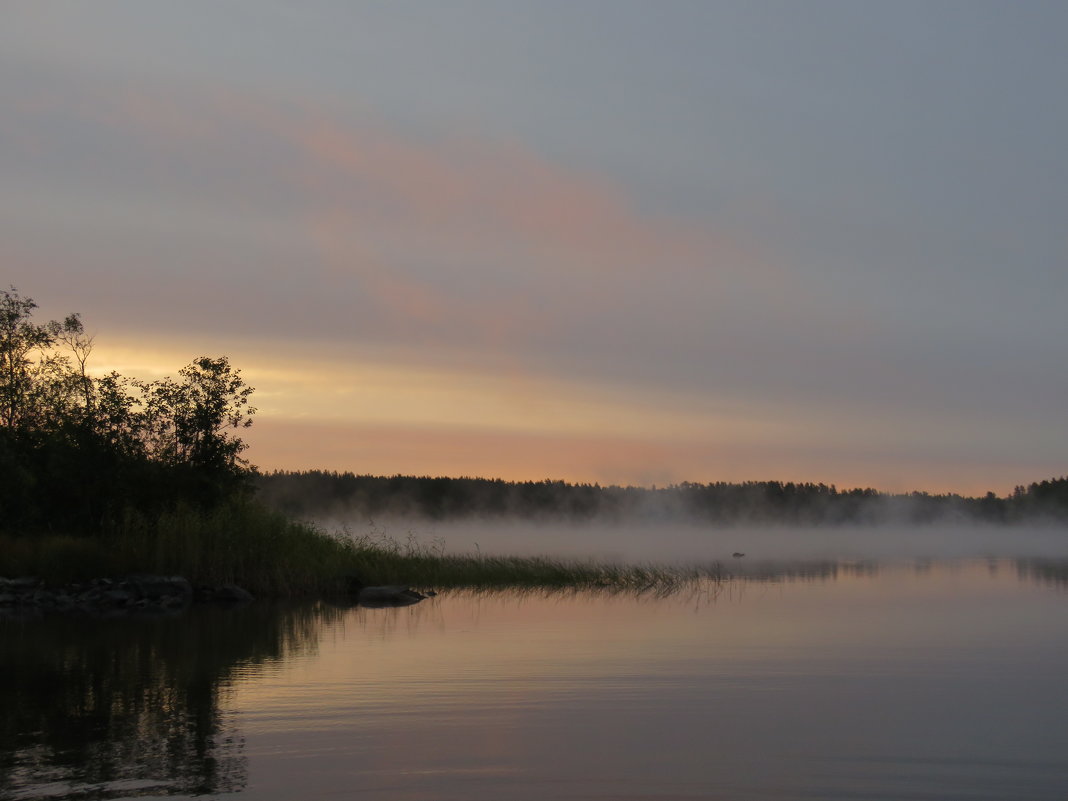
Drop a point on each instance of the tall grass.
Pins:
(240, 542)
(271, 555)
(388, 561)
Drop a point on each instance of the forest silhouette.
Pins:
(340, 494)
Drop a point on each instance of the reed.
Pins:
(271, 555)
(386, 560)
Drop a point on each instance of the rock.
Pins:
(353, 583)
(117, 597)
(393, 595)
(232, 594)
(102, 597)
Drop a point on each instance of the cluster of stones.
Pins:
(103, 596)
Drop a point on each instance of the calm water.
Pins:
(932, 680)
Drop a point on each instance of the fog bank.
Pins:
(674, 542)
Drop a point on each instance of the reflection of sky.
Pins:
(687, 543)
(538, 639)
(944, 676)
(594, 241)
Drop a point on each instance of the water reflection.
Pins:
(1044, 571)
(500, 695)
(120, 708)
(1032, 570)
(912, 680)
(800, 570)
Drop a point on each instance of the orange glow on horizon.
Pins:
(520, 456)
(405, 417)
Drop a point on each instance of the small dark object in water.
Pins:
(737, 554)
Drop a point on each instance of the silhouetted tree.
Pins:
(77, 450)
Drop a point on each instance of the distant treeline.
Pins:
(318, 493)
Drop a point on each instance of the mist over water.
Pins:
(689, 542)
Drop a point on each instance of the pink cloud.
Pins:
(461, 243)
(491, 203)
(507, 193)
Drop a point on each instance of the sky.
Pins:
(591, 240)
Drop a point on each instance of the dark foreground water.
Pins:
(824, 681)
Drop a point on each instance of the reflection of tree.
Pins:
(101, 709)
(1044, 571)
(800, 570)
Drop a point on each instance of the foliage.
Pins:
(77, 451)
(1044, 498)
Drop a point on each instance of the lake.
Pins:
(825, 679)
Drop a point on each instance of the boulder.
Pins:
(44, 598)
(232, 594)
(391, 595)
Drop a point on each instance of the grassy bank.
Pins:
(270, 555)
(240, 542)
